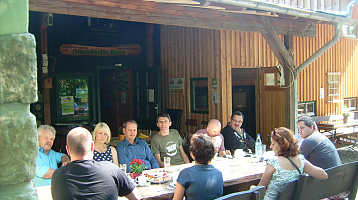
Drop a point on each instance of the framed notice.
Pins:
(176, 86)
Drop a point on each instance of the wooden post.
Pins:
(149, 48)
(46, 83)
(289, 92)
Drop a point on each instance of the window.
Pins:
(199, 97)
(350, 31)
(333, 87)
(74, 102)
(307, 108)
(349, 104)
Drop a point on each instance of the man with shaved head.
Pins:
(85, 178)
(213, 131)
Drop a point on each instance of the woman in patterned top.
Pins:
(102, 151)
(280, 170)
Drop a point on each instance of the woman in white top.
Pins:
(280, 170)
(102, 151)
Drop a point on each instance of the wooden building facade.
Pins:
(235, 60)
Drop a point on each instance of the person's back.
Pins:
(85, 178)
(202, 182)
(320, 151)
(88, 179)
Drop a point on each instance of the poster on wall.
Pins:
(176, 86)
(67, 105)
(214, 91)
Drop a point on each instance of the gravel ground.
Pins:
(347, 154)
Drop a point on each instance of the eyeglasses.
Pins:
(277, 134)
(240, 121)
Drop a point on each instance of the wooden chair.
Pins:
(204, 124)
(190, 129)
(257, 193)
(340, 179)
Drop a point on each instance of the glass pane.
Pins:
(310, 107)
(73, 94)
(269, 79)
(301, 108)
(199, 95)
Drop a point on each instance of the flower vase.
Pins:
(134, 175)
(121, 137)
(345, 120)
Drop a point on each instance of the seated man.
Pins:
(131, 147)
(235, 137)
(85, 178)
(317, 148)
(47, 159)
(168, 143)
(213, 131)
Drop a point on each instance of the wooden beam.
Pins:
(170, 14)
(279, 44)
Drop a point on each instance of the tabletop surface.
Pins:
(337, 124)
(235, 171)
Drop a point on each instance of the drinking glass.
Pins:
(123, 167)
(166, 163)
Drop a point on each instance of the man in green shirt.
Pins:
(168, 143)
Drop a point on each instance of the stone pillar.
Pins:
(18, 88)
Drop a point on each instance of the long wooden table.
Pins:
(235, 171)
(333, 126)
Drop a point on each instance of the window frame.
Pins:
(350, 108)
(193, 108)
(333, 87)
(347, 34)
(313, 113)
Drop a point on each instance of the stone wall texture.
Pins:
(18, 136)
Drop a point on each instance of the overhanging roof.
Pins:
(219, 14)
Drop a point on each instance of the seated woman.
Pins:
(287, 165)
(203, 180)
(103, 152)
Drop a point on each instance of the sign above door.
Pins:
(81, 50)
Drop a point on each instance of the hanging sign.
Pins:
(81, 50)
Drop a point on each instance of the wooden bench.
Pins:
(340, 179)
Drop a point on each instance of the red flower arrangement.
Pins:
(137, 165)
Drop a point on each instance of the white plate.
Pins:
(173, 184)
(158, 181)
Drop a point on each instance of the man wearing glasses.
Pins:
(235, 137)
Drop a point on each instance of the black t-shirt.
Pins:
(88, 179)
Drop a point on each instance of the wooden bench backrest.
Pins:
(256, 193)
(331, 118)
(340, 179)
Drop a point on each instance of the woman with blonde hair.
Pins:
(287, 165)
(102, 151)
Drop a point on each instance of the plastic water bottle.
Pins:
(258, 146)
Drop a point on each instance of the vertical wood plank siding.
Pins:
(189, 53)
(342, 57)
(193, 52)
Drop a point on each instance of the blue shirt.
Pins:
(201, 182)
(139, 150)
(43, 163)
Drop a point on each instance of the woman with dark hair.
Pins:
(203, 180)
(287, 165)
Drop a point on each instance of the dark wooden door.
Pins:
(243, 100)
(147, 98)
(116, 97)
